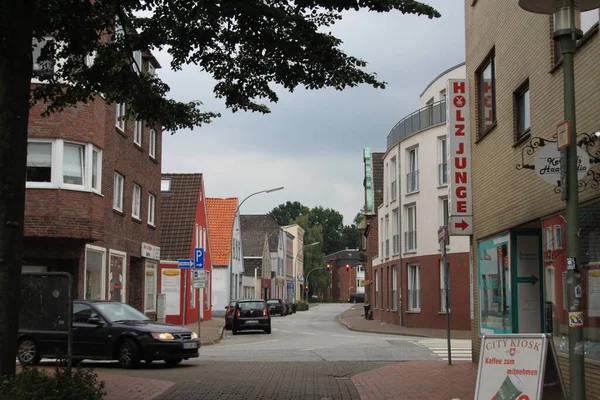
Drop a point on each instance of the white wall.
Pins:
(220, 291)
(436, 87)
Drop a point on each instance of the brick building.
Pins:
(515, 79)
(92, 195)
(345, 269)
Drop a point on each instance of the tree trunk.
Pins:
(16, 27)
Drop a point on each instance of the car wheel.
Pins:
(27, 352)
(174, 361)
(129, 354)
(268, 330)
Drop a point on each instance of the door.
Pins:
(529, 283)
(89, 339)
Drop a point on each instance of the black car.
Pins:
(229, 310)
(251, 315)
(108, 330)
(356, 298)
(277, 306)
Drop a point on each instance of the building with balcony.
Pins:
(406, 286)
(92, 197)
(515, 77)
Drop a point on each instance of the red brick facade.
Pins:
(371, 250)
(382, 302)
(60, 221)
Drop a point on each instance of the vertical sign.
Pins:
(460, 221)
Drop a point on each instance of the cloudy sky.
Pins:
(312, 141)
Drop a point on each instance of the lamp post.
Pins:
(232, 231)
(296, 265)
(567, 29)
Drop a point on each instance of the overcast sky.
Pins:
(312, 141)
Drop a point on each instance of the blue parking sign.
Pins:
(199, 258)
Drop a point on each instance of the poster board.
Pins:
(518, 367)
(171, 287)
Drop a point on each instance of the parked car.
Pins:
(277, 306)
(251, 315)
(356, 298)
(109, 330)
(229, 310)
(294, 307)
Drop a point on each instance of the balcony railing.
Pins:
(412, 182)
(410, 240)
(423, 118)
(443, 174)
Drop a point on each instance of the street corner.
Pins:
(430, 380)
(120, 387)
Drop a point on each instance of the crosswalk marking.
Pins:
(460, 348)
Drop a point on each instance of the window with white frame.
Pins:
(558, 237)
(117, 276)
(387, 236)
(119, 183)
(43, 67)
(410, 235)
(56, 163)
(192, 295)
(95, 271)
(136, 201)
(396, 232)
(137, 132)
(394, 178)
(150, 285)
(394, 306)
(152, 144)
(549, 238)
(442, 287)
(151, 208)
(414, 288)
(120, 119)
(376, 289)
(381, 228)
(444, 211)
(207, 291)
(165, 185)
(412, 177)
(443, 162)
(137, 61)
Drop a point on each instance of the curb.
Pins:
(350, 328)
(215, 341)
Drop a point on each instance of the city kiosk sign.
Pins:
(460, 220)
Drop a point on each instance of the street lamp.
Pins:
(567, 30)
(232, 230)
(296, 265)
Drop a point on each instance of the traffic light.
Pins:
(306, 287)
(347, 267)
(328, 266)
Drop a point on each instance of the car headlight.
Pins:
(194, 335)
(163, 336)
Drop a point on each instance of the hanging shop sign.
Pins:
(547, 164)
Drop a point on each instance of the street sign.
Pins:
(459, 159)
(563, 139)
(199, 258)
(185, 263)
(442, 234)
(199, 279)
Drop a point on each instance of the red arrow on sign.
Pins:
(462, 225)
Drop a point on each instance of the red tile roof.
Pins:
(221, 213)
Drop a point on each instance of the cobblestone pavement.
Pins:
(211, 331)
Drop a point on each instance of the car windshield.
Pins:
(116, 312)
(273, 301)
(251, 305)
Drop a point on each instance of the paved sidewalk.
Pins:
(211, 331)
(418, 380)
(354, 319)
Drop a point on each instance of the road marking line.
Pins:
(306, 333)
(343, 336)
(283, 330)
(315, 348)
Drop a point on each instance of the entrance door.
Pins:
(529, 283)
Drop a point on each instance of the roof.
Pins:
(377, 171)
(221, 214)
(440, 75)
(178, 215)
(254, 230)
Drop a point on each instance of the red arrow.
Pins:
(462, 225)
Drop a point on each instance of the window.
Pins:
(117, 276)
(442, 94)
(444, 211)
(394, 177)
(486, 101)
(150, 286)
(396, 232)
(120, 121)
(549, 238)
(376, 289)
(95, 272)
(118, 192)
(442, 287)
(55, 163)
(443, 164)
(558, 237)
(137, 132)
(387, 237)
(151, 69)
(410, 240)
(42, 54)
(523, 110)
(414, 288)
(381, 227)
(152, 145)
(192, 295)
(137, 61)
(151, 208)
(207, 291)
(165, 185)
(412, 178)
(136, 201)
(394, 306)
(73, 164)
(82, 313)
(39, 162)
